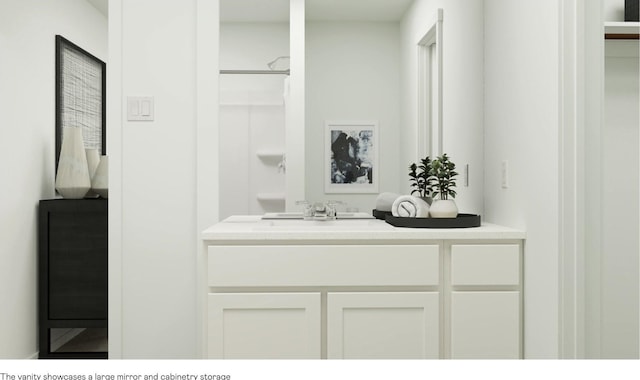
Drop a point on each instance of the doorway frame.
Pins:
(581, 103)
(429, 132)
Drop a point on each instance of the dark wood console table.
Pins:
(72, 273)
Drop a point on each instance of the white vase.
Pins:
(100, 181)
(443, 208)
(93, 160)
(72, 178)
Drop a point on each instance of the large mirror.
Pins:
(361, 62)
(370, 63)
(254, 71)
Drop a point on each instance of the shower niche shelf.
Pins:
(270, 154)
(270, 197)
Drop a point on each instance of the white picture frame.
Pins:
(351, 157)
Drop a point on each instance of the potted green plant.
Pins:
(421, 180)
(443, 173)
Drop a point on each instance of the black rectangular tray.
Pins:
(461, 221)
(380, 214)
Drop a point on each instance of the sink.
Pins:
(298, 215)
(282, 215)
(318, 225)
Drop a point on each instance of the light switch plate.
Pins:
(140, 108)
(505, 174)
(466, 175)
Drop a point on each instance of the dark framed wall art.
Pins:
(351, 157)
(80, 95)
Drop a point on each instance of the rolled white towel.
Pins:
(384, 201)
(408, 206)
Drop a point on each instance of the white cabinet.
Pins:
(378, 293)
(485, 325)
(324, 265)
(390, 325)
(486, 301)
(264, 326)
(485, 264)
(287, 324)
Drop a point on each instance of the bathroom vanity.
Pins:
(361, 289)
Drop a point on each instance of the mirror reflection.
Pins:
(374, 62)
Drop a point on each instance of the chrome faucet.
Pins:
(319, 210)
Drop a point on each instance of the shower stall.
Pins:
(253, 92)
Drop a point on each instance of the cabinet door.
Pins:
(402, 325)
(485, 325)
(76, 256)
(264, 326)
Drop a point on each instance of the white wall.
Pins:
(154, 189)
(620, 208)
(610, 322)
(462, 92)
(250, 46)
(591, 165)
(521, 127)
(613, 10)
(27, 145)
(352, 74)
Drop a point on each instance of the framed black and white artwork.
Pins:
(351, 157)
(80, 95)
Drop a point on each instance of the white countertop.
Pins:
(253, 228)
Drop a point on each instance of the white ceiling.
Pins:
(344, 10)
(278, 10)
(360, 10)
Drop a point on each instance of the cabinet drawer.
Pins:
(491, 264)
(321, 265)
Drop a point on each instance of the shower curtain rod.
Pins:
(281, 72)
